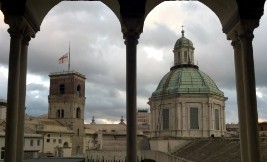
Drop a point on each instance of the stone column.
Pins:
(240, 100)
(22, 92)
(246, 37)
(131, 41)
(242, 36)
(15, 31)
(19, 33)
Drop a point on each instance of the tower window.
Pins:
(62, 89)
(60, 113)
(78, 91)
(217, 120)
(194, 118)
(185, 56)
(165, 119)
(78, 113)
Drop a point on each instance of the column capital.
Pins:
(28, 33)
(243, 29)
(132, 28)
(18, 26)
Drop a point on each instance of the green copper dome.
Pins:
(183, 42)
(184, 80)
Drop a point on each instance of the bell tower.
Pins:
(66, 103)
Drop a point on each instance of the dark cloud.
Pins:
(160, 36)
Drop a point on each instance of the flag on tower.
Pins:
(64, 58)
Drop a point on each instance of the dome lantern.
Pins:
(183, 51)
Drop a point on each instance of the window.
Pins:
(31, 142)
(60, 113)
(217, 119)
(77, 149)
(48, 135)
(62, 89)
(78, 113)
(59, 140)
(2, 152)
(38, 142)
(78, 91)
(185, 56)
(165, 119)
(194, 118)
(78, 132)
(65, 144)
(47, 140)
(54, 140)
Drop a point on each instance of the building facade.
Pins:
(187, 102)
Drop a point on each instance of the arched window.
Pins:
(78, 90)
(78, 113)
(62, 89)
(185, 56)
(65, 144)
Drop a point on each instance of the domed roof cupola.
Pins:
(185, 77)
(183, 42)
(183, 52)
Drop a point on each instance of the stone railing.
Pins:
(120, 156)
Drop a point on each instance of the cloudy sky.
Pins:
(98, 51)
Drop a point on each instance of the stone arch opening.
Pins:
(61, 89)
(248, 66)
(78, 113)
(78, 90)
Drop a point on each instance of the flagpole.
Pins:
(69, 59)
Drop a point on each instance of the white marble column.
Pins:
(28, 33)
(15, 31)
(246, 91)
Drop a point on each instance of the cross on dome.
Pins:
(182, 31)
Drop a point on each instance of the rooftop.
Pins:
(184, 80)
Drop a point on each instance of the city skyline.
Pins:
(98, 52)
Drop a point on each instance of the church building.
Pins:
(187, 102)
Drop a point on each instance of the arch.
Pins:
(65, 144)
(78, 90)
(78, 113)
(61, 89)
